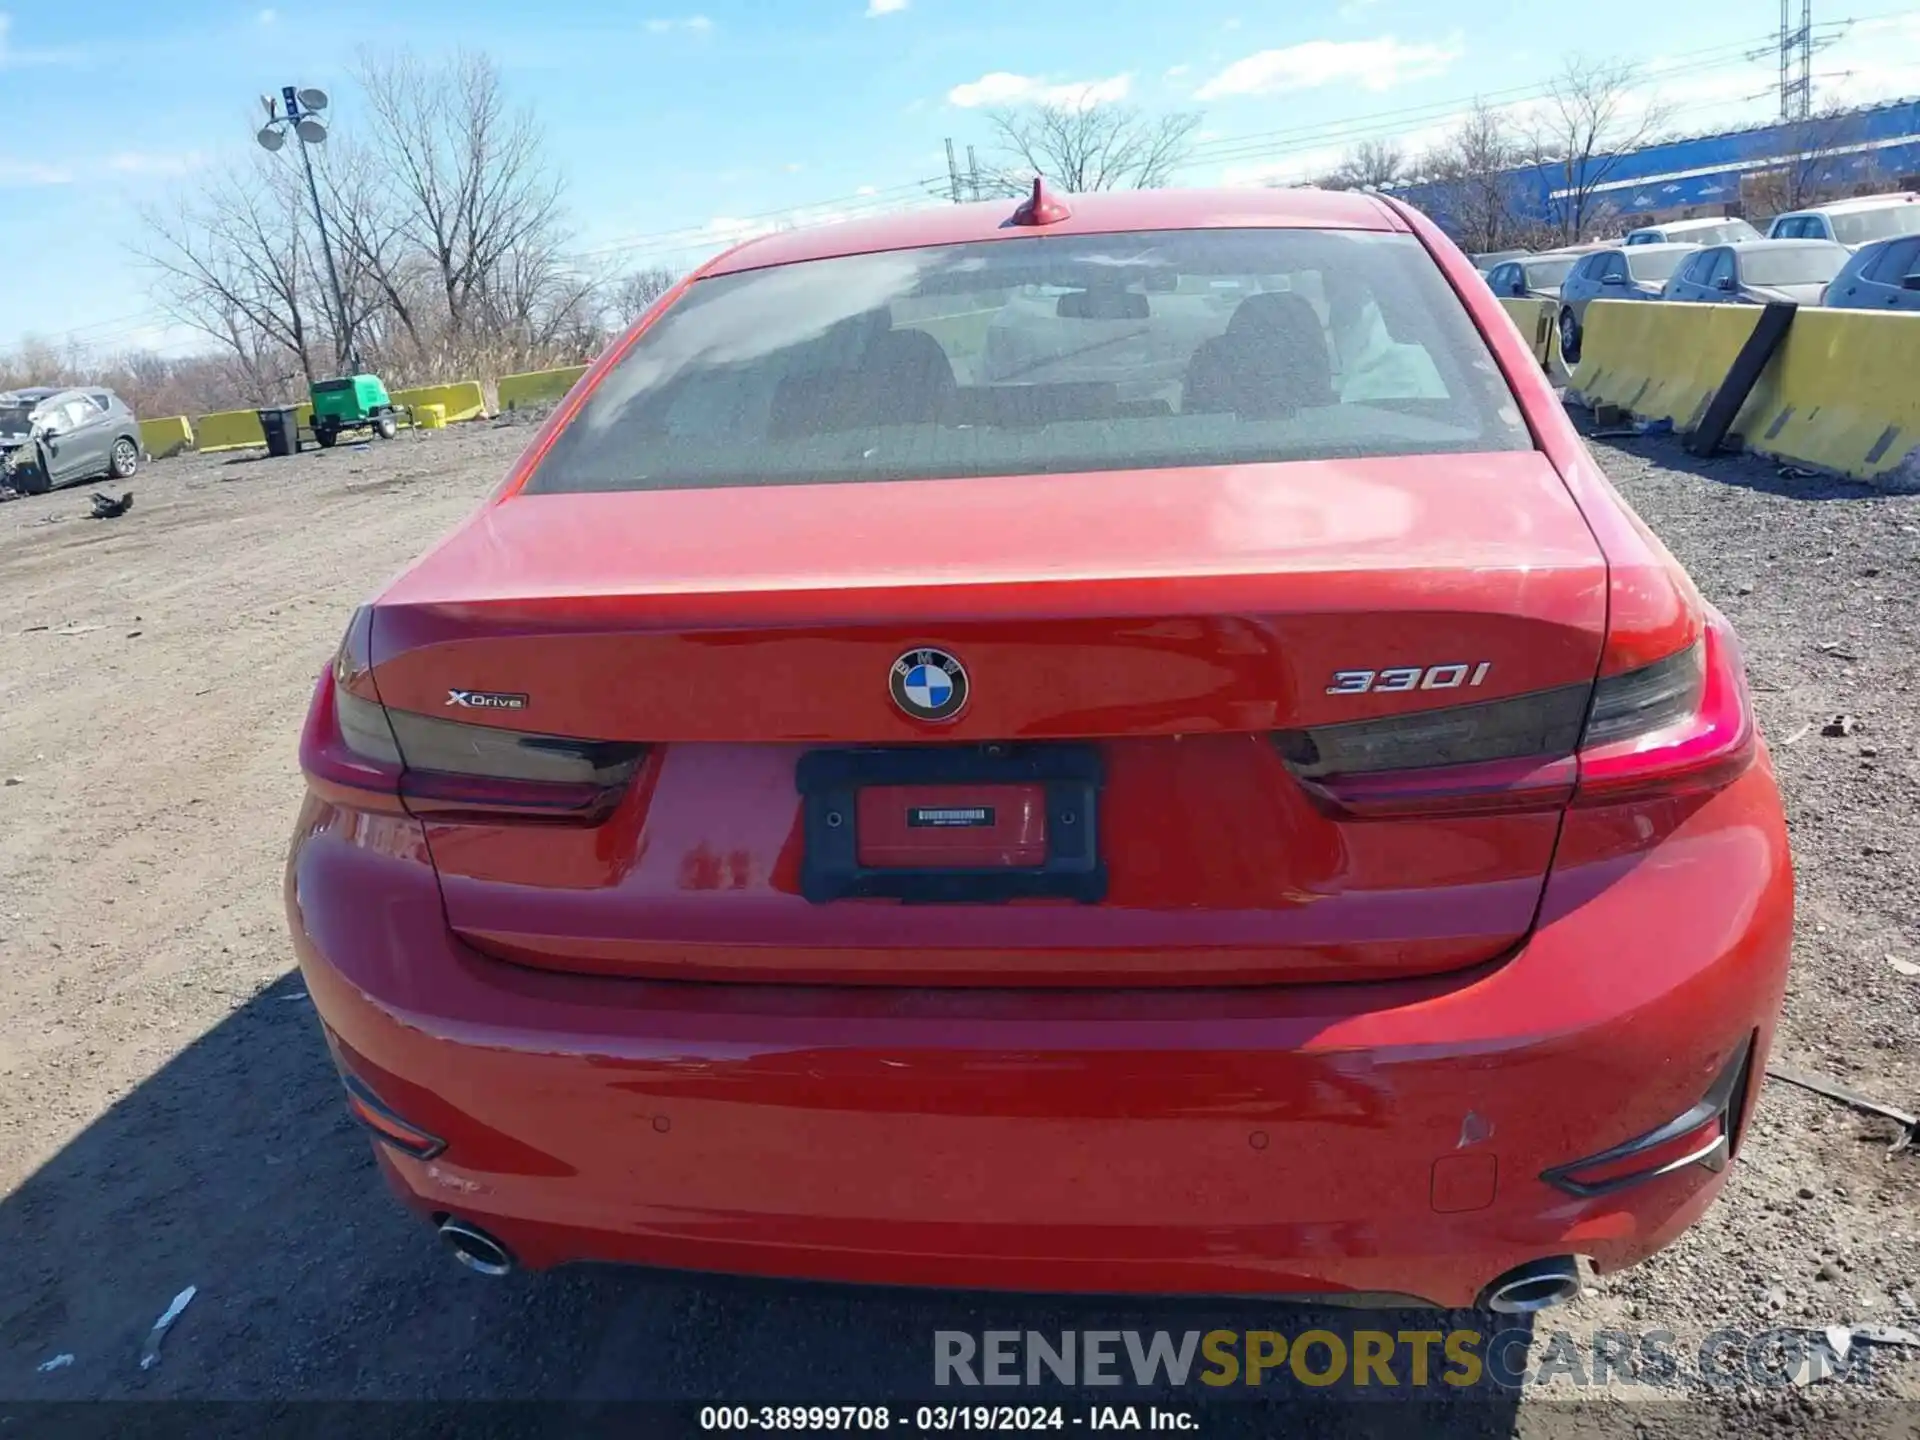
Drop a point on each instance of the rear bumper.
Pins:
(1364, 1139)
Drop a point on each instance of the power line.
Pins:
(1270, 144)
(1260, 145)
(704, 233)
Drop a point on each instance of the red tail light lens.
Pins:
(1682, 723)
(360, 753)
(1691, 730)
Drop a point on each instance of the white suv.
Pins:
(1852, 223)
(1706, 230)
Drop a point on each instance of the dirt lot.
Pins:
(167, 1116)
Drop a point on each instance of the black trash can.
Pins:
(282, 427)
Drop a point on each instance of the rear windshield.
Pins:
(15, 419)
(1045, 355)
(1814, 265)
(1655, 264)
(1546, 274)
(1864, 225)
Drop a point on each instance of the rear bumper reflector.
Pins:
(1704, 1135)
(374, 1115)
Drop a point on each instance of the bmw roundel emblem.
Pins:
(929, 684)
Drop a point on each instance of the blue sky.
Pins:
(681, 125)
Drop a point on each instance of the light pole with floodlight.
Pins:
(302, 116)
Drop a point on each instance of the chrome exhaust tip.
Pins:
(1532, 1287)
(476, 1249)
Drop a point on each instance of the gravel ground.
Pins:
(167, 1116)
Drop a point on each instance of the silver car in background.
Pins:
(1485, 260)
(51, 436)
(1618, 272)
(1852, 223)
(1537, 277)
(1882, 276)
(1759, 272)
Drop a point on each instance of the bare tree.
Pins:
(385, 280)
(449, 234)
(1473, 176)
(234, 264)
(633, 295)
(1595, 113)
(1082, 146)
(473, 188)
(1370, 165)
(1817, 169)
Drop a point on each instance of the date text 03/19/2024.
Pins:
(943, 1419)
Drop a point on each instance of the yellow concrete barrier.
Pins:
(1534, 319)
(430, 417)
(229, 430)
(1841, 395)
(161, 438)
(1838, 395)
(461, 400)
(538, 385)
(1659, 360)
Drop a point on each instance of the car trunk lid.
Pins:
(1157, 626)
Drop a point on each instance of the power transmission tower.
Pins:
(1796, 61)
(953, 172)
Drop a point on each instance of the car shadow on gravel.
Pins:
(234, 1169)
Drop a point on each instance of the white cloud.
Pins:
(20, 173)
(698, 24)
(868, 190)
(1292, 169)
(267, 17)
(1376, 65)
(14, 58)
(1876, 60)
(1355, 9)
(1174, 72)
(724, 230)
(142, 162)
(884, 7)
(1297, 167)
(1002, 87)
(793, 167)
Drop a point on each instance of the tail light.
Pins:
(1680, 724)
(358, 753)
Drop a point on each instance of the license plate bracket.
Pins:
(1070, 776)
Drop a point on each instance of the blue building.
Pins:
(1871, 149)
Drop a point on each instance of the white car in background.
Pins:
(1852, 223)
(1707, 230)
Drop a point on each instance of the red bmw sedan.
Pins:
(1115, 744)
